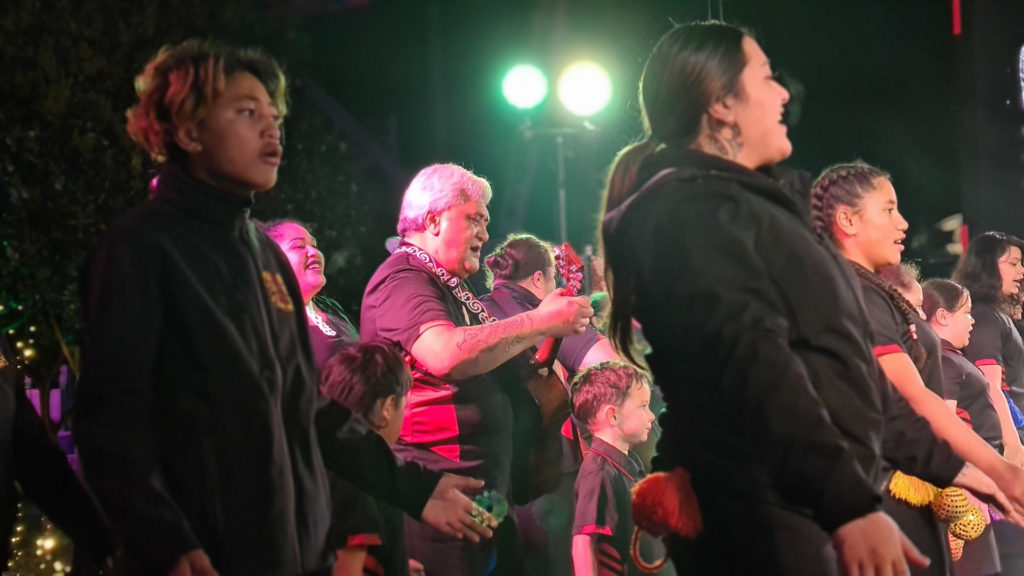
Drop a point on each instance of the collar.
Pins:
(624, 462)
(177, 187)
(520, 293)
(947, 346)
(788, 189)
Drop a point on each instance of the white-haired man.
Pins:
(458, 416)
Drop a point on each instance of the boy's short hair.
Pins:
(607, 382)
(180, 81)
(361, 375)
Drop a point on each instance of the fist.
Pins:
(562, 315)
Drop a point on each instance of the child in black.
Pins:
(371, 379)
(613, 399)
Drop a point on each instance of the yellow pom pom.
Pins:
(911, 490)
(970, 526)
(950, 505)
(956, 547)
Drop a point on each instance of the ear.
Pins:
(186, 136)
(845, 220)
(942, 316)
(432, 223)
(723, 110)
(388, 410)
(611, 414)
(538, 278)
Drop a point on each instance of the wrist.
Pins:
(537, 327)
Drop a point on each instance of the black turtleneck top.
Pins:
(195, 414)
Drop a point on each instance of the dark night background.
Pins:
(381, 88)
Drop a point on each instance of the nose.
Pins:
(273, 129)
(482, 233)
(785, 94)
(902, 225)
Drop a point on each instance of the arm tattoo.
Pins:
(504, 336)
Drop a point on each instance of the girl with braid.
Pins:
(774, 408)
(854, 205)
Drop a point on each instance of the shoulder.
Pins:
(952, 364)
(398, 270)
(137, 235)
(875, 298)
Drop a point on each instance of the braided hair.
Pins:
(903, 306)
(840, 185)
(847, 185)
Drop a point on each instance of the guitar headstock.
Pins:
(570, 267)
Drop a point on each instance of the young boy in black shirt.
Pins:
(613, 400)
(371, 379)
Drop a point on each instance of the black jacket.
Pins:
(195, 415)
(760, 344)
(31, 458)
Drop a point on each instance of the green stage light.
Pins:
(524, 86)
(584, 88)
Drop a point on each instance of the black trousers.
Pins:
(743, 536)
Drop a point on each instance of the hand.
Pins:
(1008, 496)
(451, 512)
(874, 545)
(560, 315)
(416, 569)
(1014, 453)
(193, 563)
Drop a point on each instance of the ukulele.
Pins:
(547, 386)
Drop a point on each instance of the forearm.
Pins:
(944, 423)
(462, 352)
(584, 561)
(994, 379)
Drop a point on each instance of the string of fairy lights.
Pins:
(22, 344)
(38, 548)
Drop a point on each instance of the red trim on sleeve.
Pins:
(964, 416)
(887, 349)
(595, 529)
(368, 539)
(986, 362)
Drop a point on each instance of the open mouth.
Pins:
(272, 155)
(315, 265)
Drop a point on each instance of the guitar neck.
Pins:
(547, 352)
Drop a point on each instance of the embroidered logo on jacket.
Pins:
(276, 291)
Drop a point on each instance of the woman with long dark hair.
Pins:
(991, 270)
(775, 404)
